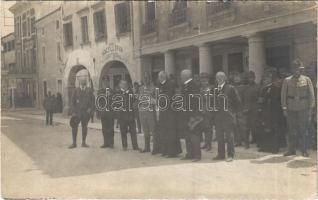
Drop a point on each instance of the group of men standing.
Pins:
(234, 116)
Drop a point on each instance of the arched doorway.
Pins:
(72, 83)
(115, 71)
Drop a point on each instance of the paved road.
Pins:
(36, 163)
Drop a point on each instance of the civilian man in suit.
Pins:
(191, 104)
(227, 104)
(298, 101)
(126, 116)
(82, 104)
(104, 100)
(169, 142)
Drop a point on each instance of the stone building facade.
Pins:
(228, 36)
(129, 39)
(25, 72)
(8, 65)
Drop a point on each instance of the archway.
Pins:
(114, 71)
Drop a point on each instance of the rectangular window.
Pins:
(58, 50)
(57, 24)
(43, 55)
(29, 26)
(33, 25)
(24, 28)
(100, 24)
(150, 11)
(122, 15)
(59, 86)
(33, 59)
(68, 34)
(84, 25)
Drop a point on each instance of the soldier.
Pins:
(82, 104)
(106, 114)
(227, 104)
(126, 116)
(207, 115)
(147, 114)
(251, 96)
(49, 106)
(298, 101)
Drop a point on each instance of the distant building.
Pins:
(25, 15)
(50, 54)
(8, 68)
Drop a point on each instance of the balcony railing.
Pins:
(178, 16)
(216, 7)
(149, 27)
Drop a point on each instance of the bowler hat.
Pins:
(74, 121)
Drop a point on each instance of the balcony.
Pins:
(178, 16)
(149, 27)
(217, 7)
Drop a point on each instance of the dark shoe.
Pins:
(154, 152)
(136, 149)
(305, 154)
(103, 146)
(186, 158)
(171, 156)
(72, 146)
(196, 160)
(145, 151)
(85, 145)
(290, 153)
(208, 148)
(204, 146)
(219, 157)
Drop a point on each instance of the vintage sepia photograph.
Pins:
(155, 99)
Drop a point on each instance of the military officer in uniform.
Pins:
(82, 104)
(298, 101)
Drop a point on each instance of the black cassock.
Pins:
(169, 141)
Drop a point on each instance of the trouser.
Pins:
(208, 121)
(251, 122)
(224, 132)
(195, 146)
(147, 119)
(84, 119)
(108, 130)
(138, 122)
(125, 126)
(49, 117)
(240, 129)
(297, 123)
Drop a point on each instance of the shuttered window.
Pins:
(122, 15)
(100, 24)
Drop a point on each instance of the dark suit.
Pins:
(82, 103)
(107, 116)
(49, 104)
(192, 109)
(168, 142)
(126, 118)
(227, 97)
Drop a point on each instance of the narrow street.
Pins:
(37, 163)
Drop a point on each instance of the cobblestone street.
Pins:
(36, 160)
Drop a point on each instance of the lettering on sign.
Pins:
(112, 48)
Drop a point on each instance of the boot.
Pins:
(147, 145)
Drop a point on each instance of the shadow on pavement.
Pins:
(47, 147)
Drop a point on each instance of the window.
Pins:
(179, 13)
(217, 6)
(43, 55)
(84, 29)
(122, 15)
(100, 24)
(13, 44)
(5, 47)
(24, 28)
(29, 26)
(59, 86)
(58, 50)
(57, 24)
(33, 25)
(32, 11)
(150, 11)
(33, 59)
(68, 34)
(43, 31)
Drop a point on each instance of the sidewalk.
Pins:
(57, 117)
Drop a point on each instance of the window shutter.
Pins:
(128, 24)
(117, 18)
